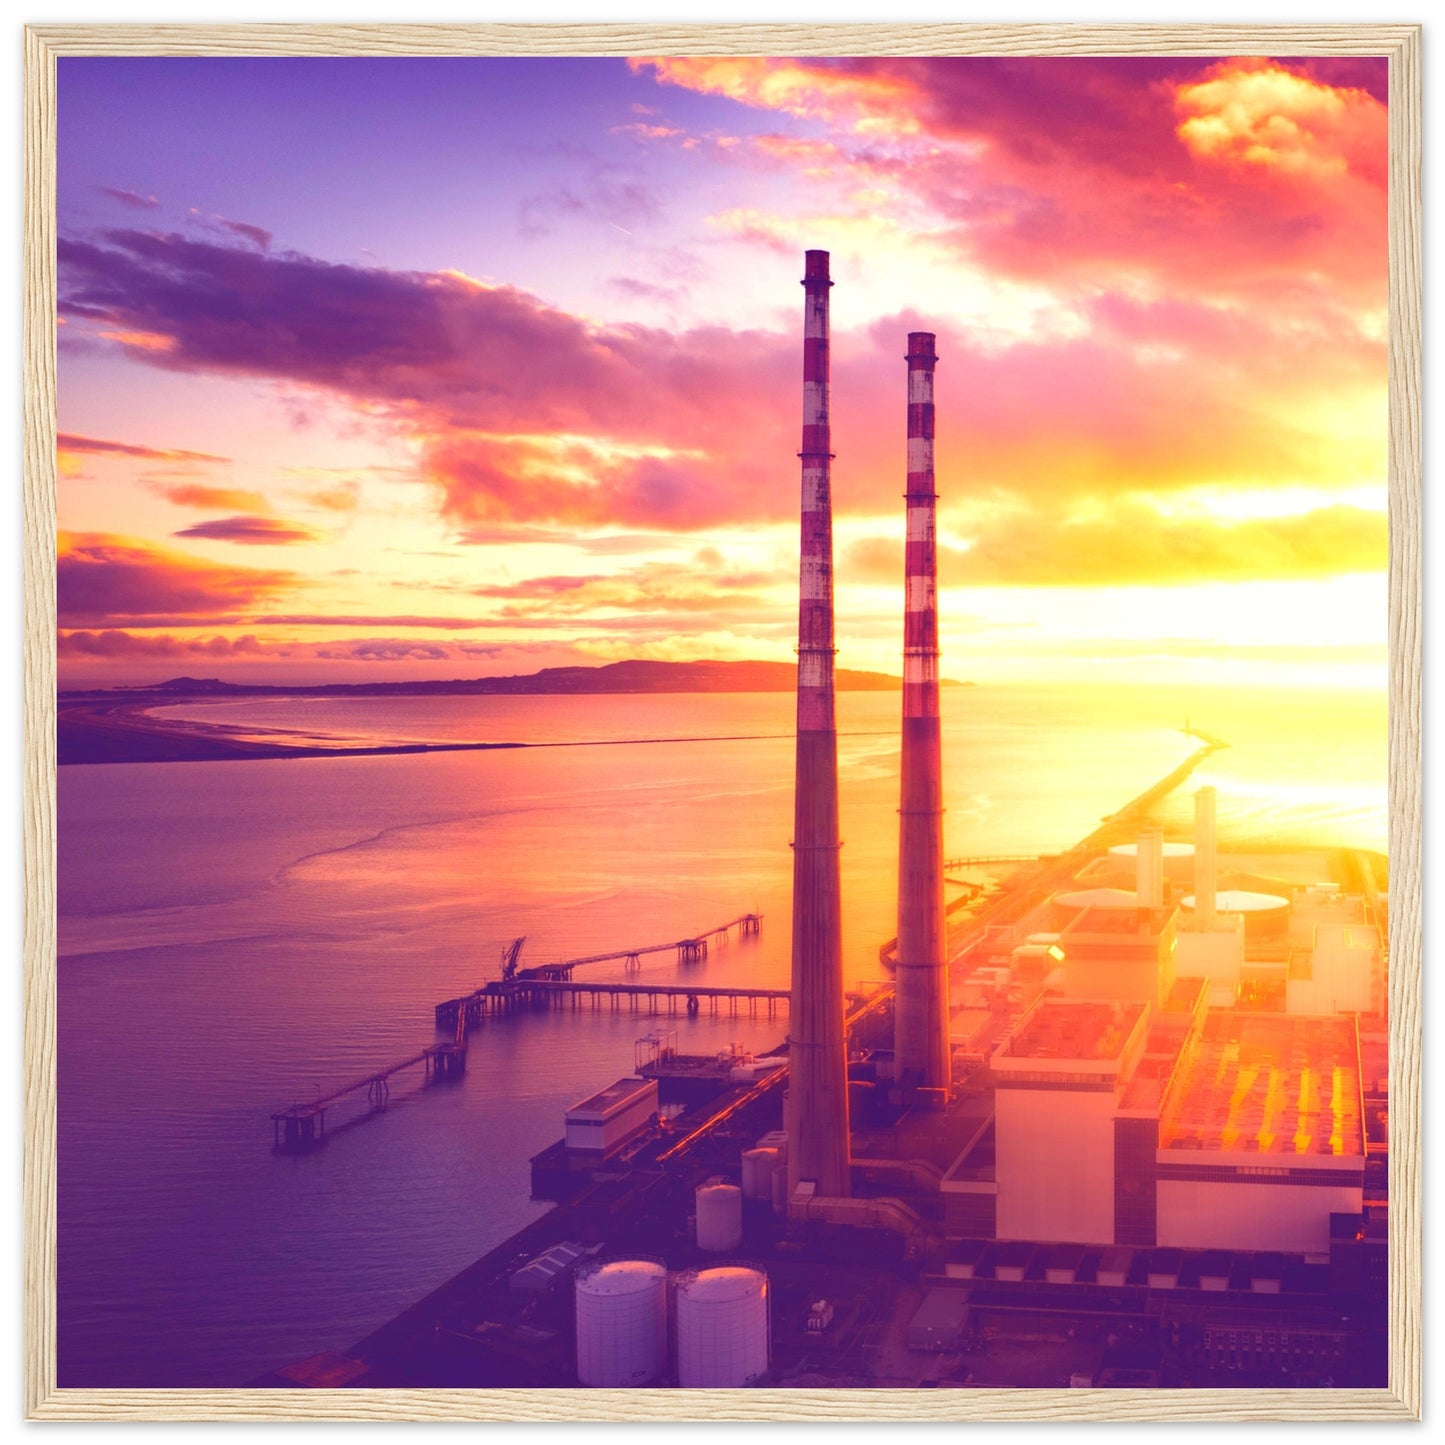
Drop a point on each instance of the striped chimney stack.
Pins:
(921, 1050)
(1205, 868)
(1149, 867)
(817, 1104)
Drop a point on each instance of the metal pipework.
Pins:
(922, 1058)
(817, 1102)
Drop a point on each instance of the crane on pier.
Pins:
(510, 954)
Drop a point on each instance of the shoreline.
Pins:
(90, 734)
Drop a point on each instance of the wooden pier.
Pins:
(688, 950)
(504, 998)
(500, 996)
(303, 1126)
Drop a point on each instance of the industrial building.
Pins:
(1132, 1097)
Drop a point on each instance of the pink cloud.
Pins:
(68, 444)
(117, 643)
(1083, 173)
(252, 531)
(103, 580)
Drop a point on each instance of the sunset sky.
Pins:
(377, 369)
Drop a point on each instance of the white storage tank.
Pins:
(621, 1323)
(722, 1327)
(758, 1166)
(1264, 913)
(1065, 907)
(719, 1216)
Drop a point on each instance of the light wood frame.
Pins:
(1401, 1400)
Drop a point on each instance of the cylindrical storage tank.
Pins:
(621, 1323)
(758, 1166)
(1265, 914)
(1067, 906)
(719, 1217)
(780, 1187)
(722, 1327)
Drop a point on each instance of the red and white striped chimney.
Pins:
(922, 1057)
(817, 1103)
(1205, 871)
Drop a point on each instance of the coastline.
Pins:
(128, 732)
(91, 733)
(108, 726)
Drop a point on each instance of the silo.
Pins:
(758, 1166)
(719, 1216)
(722, 1327)
(621, 1323)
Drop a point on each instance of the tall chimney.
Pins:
(1149, 866)
(1205, 877)
(817, 1106)
(920, 1049)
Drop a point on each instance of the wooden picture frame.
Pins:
(1402, 1399)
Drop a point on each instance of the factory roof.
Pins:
(1074, 1029)
(1133, 922)
(1113, 898)
(607, 1100)
(1273, 1084)
(543, 1272)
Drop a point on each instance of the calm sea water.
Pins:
(236, 936)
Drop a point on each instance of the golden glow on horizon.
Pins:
(1129, 361)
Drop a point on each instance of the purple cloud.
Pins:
(251, 531)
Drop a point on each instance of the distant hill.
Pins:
(635, 676)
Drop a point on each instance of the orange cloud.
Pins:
(343, 497)
(102, 579)
(193, 494)
(1256, 182)
(70, 450)
(1254, 113)
(1131, 543)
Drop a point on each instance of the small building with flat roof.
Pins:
(1057, 1079)
(603, 1122)
(1126, 954)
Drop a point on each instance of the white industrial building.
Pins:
(603, 1122)
(1058, 1079)
(1262, 1136)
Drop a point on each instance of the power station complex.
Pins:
(1120, 1116)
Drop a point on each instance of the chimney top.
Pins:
(921, 346)
(815, 267)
